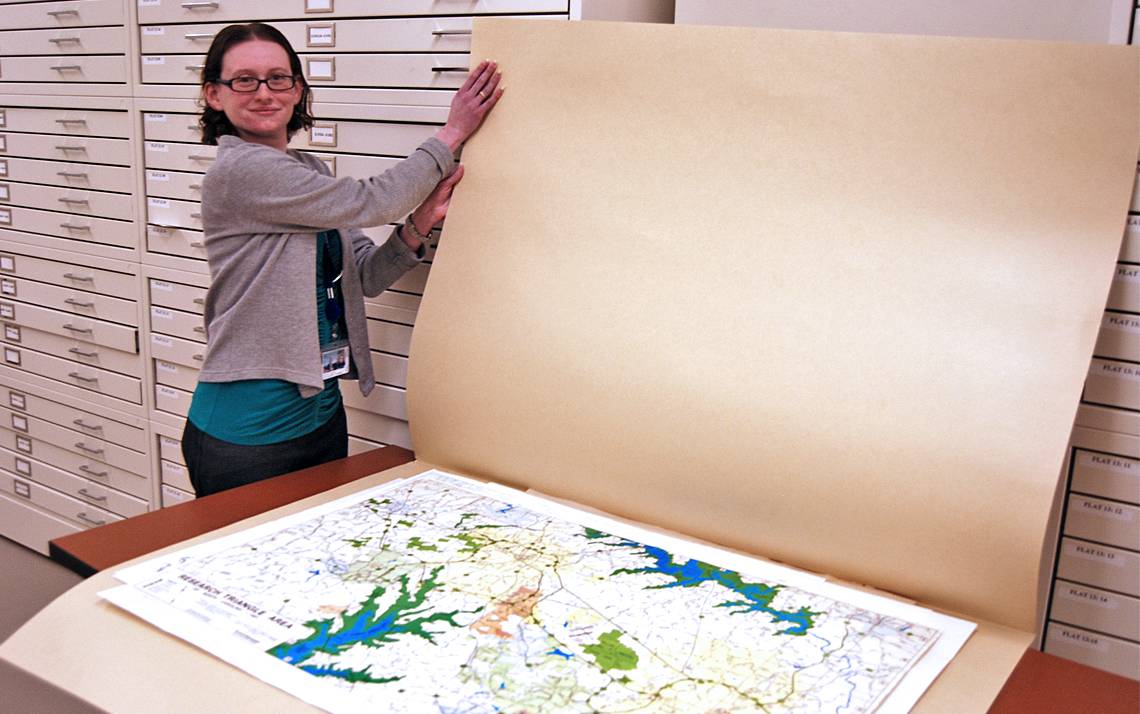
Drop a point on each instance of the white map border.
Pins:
(953, 631)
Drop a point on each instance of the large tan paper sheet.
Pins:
(827, 298)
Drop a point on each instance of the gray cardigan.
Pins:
(261, 211)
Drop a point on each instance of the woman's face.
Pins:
(263, 116)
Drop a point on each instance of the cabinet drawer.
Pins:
(173, 496)
(58, 503)
(176, 475)
(82, 489)
(363, 137)
(390, 369)
(86, 229)
(95, 150)
(1108, 475)
(195, 158)
(120, 337)
(1112, 383)
(169, 126)
(70, 175)
(101, 381)
(1095, 609)
(175, 375)
(70, 200)
(1100, 566)
(1125, 291)
(188, 298)
(1119, 337)
(84, 353)
(169, 11)
(389, 337)
(74, 41)
(77, 13)
(28, 525)
(171, 400)
(77, 464)
(69, 275)
(68, 68)
(65, 120)
(78, 302)
(170, 449)
(1103, 521)
(393, 307)
(418, 71)
(176, 350)
(1096, 650)
(176, 241)
(51, 433)
(169, 213)
(173, 184)
(176, 323)
(377, 427)
(1130, 248)
(388, 401)
(98, 426)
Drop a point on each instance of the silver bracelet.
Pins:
(412, 232)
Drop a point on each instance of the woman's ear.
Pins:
(210, 95)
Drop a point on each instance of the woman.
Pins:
(289, 265)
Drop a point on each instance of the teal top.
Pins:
(254, 412)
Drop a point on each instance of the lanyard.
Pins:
(333, 309)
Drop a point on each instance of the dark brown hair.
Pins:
(214, 123)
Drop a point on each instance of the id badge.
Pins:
(334, 359)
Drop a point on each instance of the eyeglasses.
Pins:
(249, 85)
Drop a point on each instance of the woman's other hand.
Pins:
(471, 104)
(432, 211)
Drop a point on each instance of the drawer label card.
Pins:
(169, 443)
(174, 469)
(321, 68)
(11, 356)
(7, 311)
(5, 216)
(1127, 273)
(1100, 555)
(161, 285)
(8, 286)
(158, 230)
(150, 3)
(152, 118)
(12, 333)
(1118, 370)
(158, 203)
(22, 488)
(1109, 510)
(19, 422)
(1072, 592)
(1080, 639)
(1116, 464)
(5, 192)
(330, 161)
(318, 5)
(4, 168)
(323, 134)
(151, 60)
(322, 35)
(18, 401)
(166, 392)
(24, 444)
(157, 176)
(161, 340)
(7, 263)
(157, 146)
(23, 466)
(166, 366)
(152, 30)
(161, 313)
(3, 142)
(3, 118)
(1122, 323)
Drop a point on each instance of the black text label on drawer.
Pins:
(22, 488)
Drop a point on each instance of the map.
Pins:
(440, 593)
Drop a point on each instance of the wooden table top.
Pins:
(1040, 684)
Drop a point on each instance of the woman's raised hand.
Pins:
(471, 104)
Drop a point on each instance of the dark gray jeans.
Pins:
(217, 465)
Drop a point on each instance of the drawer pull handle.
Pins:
(442, 33)
(73, 227)
(76, 303)
(61, 40)
(197, 244)
(70, 148)
(84, 330)
(450, 69)
(199, 301)
(199, 358)
(72, 174)
(81, 353)
(195, 67)
(57, 13)
(90, 496)
(83, 517)
(84, 425)
(91, 472)
(74, 200)
(195, 186)
(200, 157)
(67, 67)
(88, 450)
(199, 36)
(195, 215)
(81, 378)
(193, 127)
(70, 121)
(199, 329)
(79, 278)
(197, 5)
